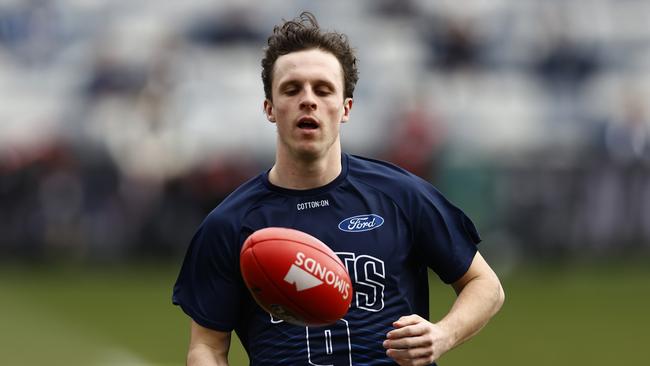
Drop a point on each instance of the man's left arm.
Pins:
(416, 341)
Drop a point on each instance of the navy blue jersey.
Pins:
(387, 226)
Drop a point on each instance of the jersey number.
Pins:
(322, 340)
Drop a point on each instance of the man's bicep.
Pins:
(208, 346)
(478, 269)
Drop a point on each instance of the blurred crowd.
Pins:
(123, 123)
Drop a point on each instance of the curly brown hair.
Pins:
(304, 33)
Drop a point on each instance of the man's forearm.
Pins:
(418, 341)
(477, 302)
(207, 347)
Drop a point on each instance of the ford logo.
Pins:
(360, 223)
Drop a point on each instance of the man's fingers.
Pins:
(407, 343)
(407, 320)
(414, 341)
(404, 326)
(414, 356)
(411, 330)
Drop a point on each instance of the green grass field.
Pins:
(123, 316)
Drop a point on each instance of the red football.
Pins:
(295, 276)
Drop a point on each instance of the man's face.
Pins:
(308, 105)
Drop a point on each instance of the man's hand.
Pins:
(415, 341)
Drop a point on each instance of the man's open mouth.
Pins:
(308, 124)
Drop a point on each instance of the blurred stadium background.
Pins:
(122, 123)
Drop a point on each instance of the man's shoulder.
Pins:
(402, 186)
(379, 172)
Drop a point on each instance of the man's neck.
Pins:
(305, 173)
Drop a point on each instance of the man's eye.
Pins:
(291, 91)
(323, 91)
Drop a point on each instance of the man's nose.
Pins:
(308, 100)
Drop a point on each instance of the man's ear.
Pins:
(268, 110)
(347, 107)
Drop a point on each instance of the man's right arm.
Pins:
(207, 347)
